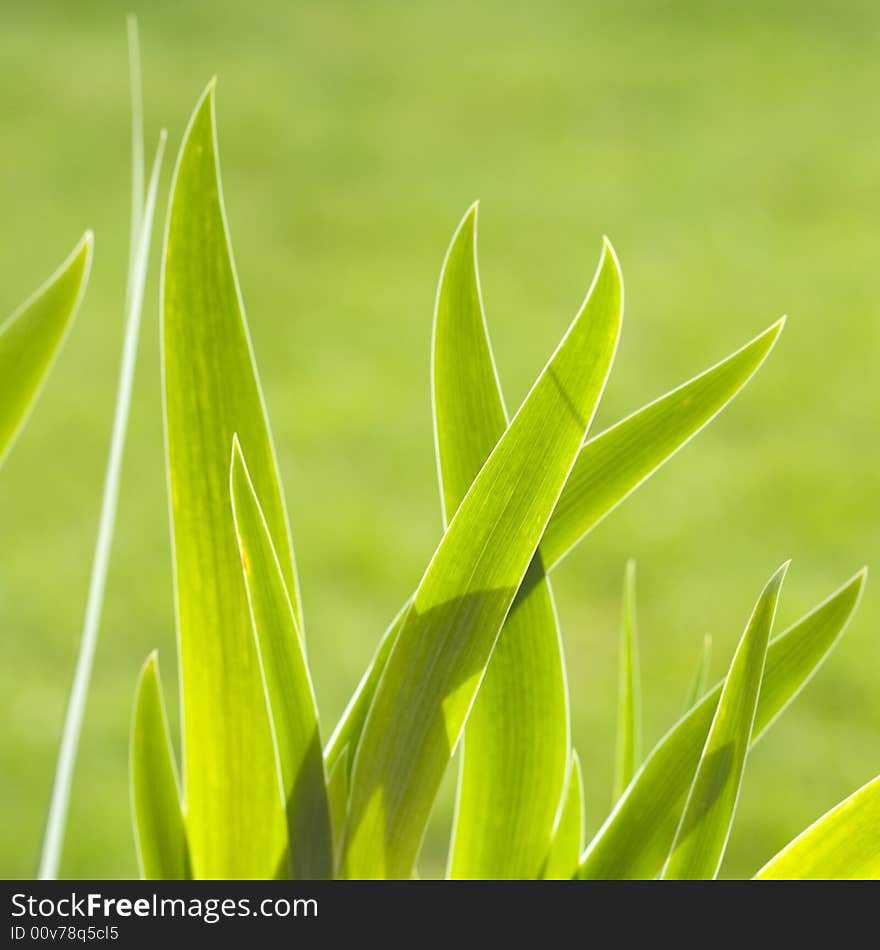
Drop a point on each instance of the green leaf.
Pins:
(703, 831)
(31, 338)
(143, 210)
(843, 845)
(235, 815)
(618, 460)
(337, 792)
(629, 706)
(440, 655)
(636, 838)
(568, 833)
(613, 464)
(348, 730)
(700, 679)
(160, 835)
(289, 694)
(515, 745)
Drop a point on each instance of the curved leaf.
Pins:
(614, 463)
(636, 837)
(701, 839)
(348, 730)
(515, 745)
(700, 679)
(843, 845)
(289, 694)
(440, 655)
(568, 833)
(160, 835)
(31, 338)
(235, 816)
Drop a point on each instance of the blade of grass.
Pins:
(515, 747)
(843, 845)
(568, 833)
(704, 829)
(337, 792)
(160, 835)
(636, 837)
(348, 730)
(31, 338)
(629, 706)
(58, 807)
(615, 463)
(235, 815)
(293, 712)
(439, 657)
(700, 679)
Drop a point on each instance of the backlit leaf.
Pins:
(568, 834)
(440, 655)
(160, 834)
(843, 845)
(289, 693)
(515, 746)
(31, 338)
(235, 815)
(701, 839)
(636, 837)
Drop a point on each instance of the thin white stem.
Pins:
(139, 259)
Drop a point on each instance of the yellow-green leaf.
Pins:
(515, 745)
(629, 703)
(618, 460)
(843, 845)
(700, 679)
(440, 655)
(160, 835)
(701, 838)
(348, 730)
(613, 464)
(337, 792)
(31, 338)
(568, 833)
(635, 839)
(288, 686)
(235, 815)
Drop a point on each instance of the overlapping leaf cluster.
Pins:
(475, 658)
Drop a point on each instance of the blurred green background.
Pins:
(731, 152)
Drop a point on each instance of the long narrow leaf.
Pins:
(31, 338)
(440, 655)
(700, 679)
(337, 793)
(701, 839)
(351, 723)
(635, 839)
(614, 463)
(568, 834)
(843, 845)
(515, 745)
(143, 210)
(235, 815)
(629, 706)
(289, 693)
(160, 835)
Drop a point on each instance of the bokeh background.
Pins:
(731, 151)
